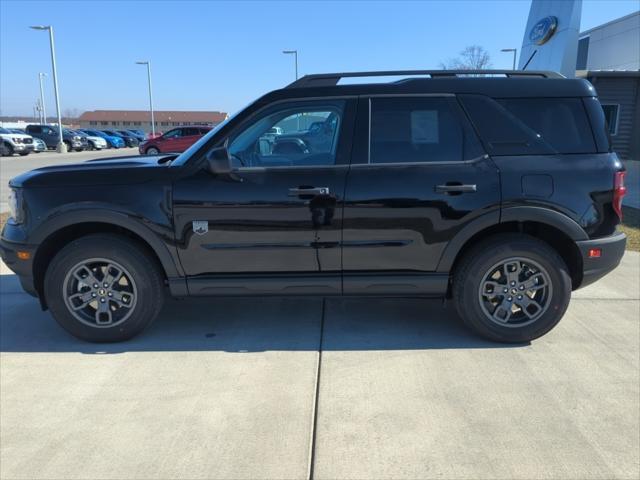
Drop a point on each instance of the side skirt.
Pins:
(330, 284)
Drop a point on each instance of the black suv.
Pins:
(495, 188)
(50, 136)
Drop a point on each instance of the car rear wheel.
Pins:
(511, 288)
(104, 288)
(152, 151)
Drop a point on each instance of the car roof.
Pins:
(493, 83)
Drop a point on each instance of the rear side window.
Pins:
(530, 126)
(561, 122)
(419, 129)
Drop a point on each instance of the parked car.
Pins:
(500, 192)
(129, 140)
(133, 133)
(12, 142)
(38, 145)
(49, 135)
(175, 140)
(83, 138)
(94, 142)
(112, 140)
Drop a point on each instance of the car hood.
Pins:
(14, 135)
(95, 139)
(104, 171)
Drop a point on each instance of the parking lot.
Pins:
(285, 387)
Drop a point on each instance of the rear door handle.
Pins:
(456, 188)
(296, 192)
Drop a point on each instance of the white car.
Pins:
(93, 142)
(15, 143)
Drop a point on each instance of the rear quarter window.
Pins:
(531, 126)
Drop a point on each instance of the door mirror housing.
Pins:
(219, 161)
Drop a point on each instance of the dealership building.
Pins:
(609, 57)
(141, 119)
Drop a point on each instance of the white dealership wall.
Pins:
(614, 45)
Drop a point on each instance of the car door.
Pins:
(418, 177)
(190, 135)
(170, 141)
(275, 225)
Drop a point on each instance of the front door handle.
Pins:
(296, 192)
(453, 188)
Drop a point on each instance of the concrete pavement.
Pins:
(222, 388)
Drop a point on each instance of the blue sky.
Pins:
(220, 55)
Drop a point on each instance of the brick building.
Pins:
(141, 119)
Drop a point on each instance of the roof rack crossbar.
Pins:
(332, 79)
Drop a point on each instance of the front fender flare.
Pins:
(125, 220)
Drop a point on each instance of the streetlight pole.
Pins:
(515, 52)
(295, 54)
(153, 123)
(42, 107)
(61, 147)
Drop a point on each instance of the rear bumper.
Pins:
(611, 252)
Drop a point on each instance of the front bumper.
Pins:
(22, 268)
(611, 252)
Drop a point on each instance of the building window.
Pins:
(175, 124)
(583, 54)
(115, 124)
(126, 123)
(611, 114)
(137, 124)
(93, 122)
(164, 124)
(104, 123)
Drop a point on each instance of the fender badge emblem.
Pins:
(200, 226)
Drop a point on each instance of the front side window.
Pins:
(175, 133)
(418, 129)
(302, 135)
(190, 131)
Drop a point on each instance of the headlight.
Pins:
(16, 212)
(16, 140)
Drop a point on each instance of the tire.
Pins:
(90, 145)
(481, 299)
(7, 150)
(152, 151)
(142, 291)
(24, 154)
(68, 144)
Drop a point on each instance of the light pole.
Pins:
(515, 52)
(153, 123)
(295, 54)
(42, 107)
(61, 147)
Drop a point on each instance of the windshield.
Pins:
(4, 130)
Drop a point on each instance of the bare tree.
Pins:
(473, 57)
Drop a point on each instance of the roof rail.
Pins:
(332, 79)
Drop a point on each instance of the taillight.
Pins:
(619, 191)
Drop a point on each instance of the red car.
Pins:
(174, 141)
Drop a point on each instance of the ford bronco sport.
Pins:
(497, 189)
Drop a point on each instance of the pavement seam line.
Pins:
(314, 416)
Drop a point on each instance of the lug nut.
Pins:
(110, 294)
(102, 300)
(105, 285)
(521, 287)
(95, 285)
(513, 283)
(519, 297)
(93, 295)
(505, 290)
(509, 298)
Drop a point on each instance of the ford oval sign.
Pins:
(543, 30)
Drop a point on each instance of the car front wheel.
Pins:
(511, 288)
(152, 151)
(104, 288)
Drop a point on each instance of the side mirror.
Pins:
(219, 161)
